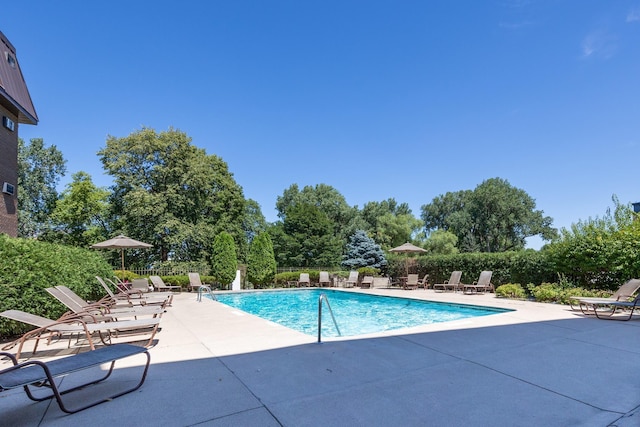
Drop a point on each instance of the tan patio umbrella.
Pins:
(407, 248)
(121, 242)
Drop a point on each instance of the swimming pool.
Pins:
(355, 313)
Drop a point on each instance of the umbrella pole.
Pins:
(122, 258)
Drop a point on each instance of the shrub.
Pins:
(368, 271)
(224, 261)
(28, 266)
(562, 293)
(261, 267)
(511, 290)
(546, 292)
(183, 280)
(125, 275)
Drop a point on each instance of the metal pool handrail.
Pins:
(207, 289)
(324, 297)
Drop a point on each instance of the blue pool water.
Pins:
(356, 314)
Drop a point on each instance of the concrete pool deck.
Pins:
(215, 366)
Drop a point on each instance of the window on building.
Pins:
(11, 60)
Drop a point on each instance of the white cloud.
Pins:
(599, 44)
(633, 15)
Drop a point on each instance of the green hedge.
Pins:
(281, 279)
(507, 267)
(28, 266)
(183, 280)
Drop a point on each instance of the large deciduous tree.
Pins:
(494, 217)
(39, 170)
(306, 238)
(80, 214)
(254, 222)
(390, 223)
(172, 194)
(327, 199)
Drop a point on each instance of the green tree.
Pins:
(390, 223)
(39, 170)
(306, 238)
(394, 230)
(80, 214)
(442, 243)
(327, 199)
(172, 194)
(254, 222)
(494, 217)
(224, 261)
(363, 251)
(261, 268)
(600, 252)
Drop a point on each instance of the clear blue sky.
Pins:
(379, 99)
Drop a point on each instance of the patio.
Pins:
(216, 366)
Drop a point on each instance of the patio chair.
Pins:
(195, 282)
(613, 306)
(586, 304)
(411, 283)
(134, 297)
(366, 282)
(452, 284)
(35, 373)
(352, 280)
(77, 305)
(483, 284)
(304, 280)
(324, 279)
(159, 285)
(424, 282)
(70, 325)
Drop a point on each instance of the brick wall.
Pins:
(8, 173)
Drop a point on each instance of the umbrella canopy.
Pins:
(121, 242)
(407, 248)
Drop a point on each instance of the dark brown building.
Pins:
(15, 108)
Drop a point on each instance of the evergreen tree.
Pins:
(224, 261)
(261, 267)
(363, 251)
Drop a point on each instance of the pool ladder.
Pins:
(324, 297)
(205, 288)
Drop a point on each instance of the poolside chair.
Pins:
(159, 285)
(69, 325)
(611, 307)
(352, 280)
(195, 282)
(35, 373)
(586, 304)
(100, 310)
(366, 282)
(424, 282)
(411, 282)
(134, 296)
(452, 284)
(304, 280)
(324, 279)
(483, 284)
